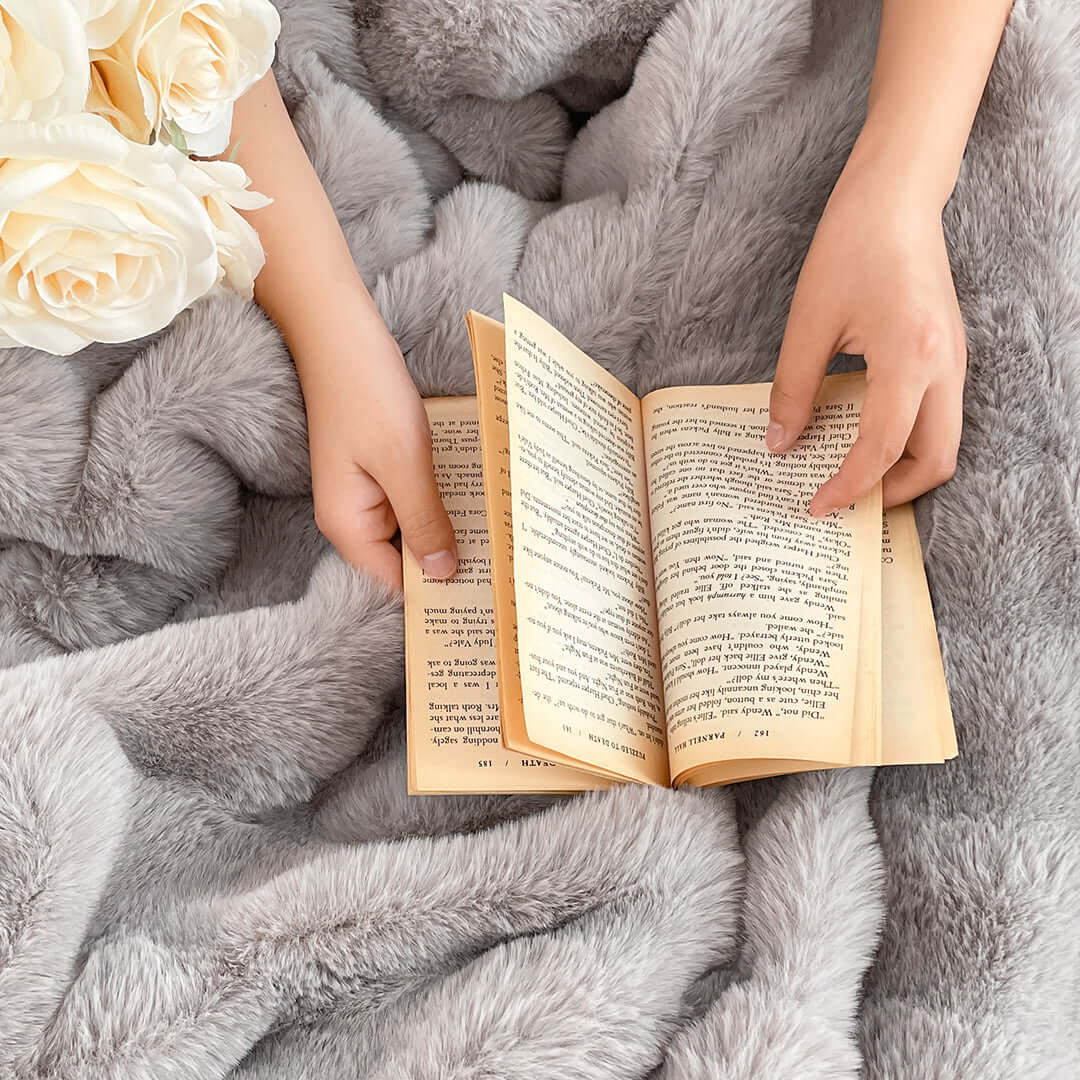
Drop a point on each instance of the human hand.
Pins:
(876, 281)
(370, 445)
(368, 434)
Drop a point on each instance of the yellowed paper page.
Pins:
(917, 724)
(489, 360)
(452, 699)
(590, 667)
(866, 718)
(759, 605)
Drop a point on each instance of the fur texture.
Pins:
(208, 862)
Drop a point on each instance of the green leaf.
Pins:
(235, 149)
(176, 136)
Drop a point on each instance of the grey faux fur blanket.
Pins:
(208, 862)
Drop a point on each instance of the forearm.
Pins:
(877, 279)
(932, 64)
(309, 281)
(368, 437)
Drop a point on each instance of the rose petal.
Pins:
(100, 237)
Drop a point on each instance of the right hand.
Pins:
(371, 466)
(877, 281)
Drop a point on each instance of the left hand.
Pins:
(876, 281)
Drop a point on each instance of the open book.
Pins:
(643, 596)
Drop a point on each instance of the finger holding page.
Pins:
(930, 457)
(425, 526)
(810, 342)
(888, 415)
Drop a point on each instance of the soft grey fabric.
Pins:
(208, 863)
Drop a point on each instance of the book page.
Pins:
(917, 723)
(452, 698)
(759, 605)
(586, 612)
(489, 360)
(866, 709)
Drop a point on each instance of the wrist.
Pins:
(322, 316)
(904, 166)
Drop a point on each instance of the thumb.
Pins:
(809, 344)
(425, 526)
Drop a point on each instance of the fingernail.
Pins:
(440, 565)
(774, 436)
(821, 509)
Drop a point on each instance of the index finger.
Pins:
(809, 344)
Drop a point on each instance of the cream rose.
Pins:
(106, 20)
(179, 65)
(44, 67)
(100, 240)
(223, 189)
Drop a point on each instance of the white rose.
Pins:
(44, 66)
(100, 239)
(223, 188)
(106, 20)
(182, 63)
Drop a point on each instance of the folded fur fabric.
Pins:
(208, 863)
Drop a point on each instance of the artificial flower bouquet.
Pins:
(108, 226)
